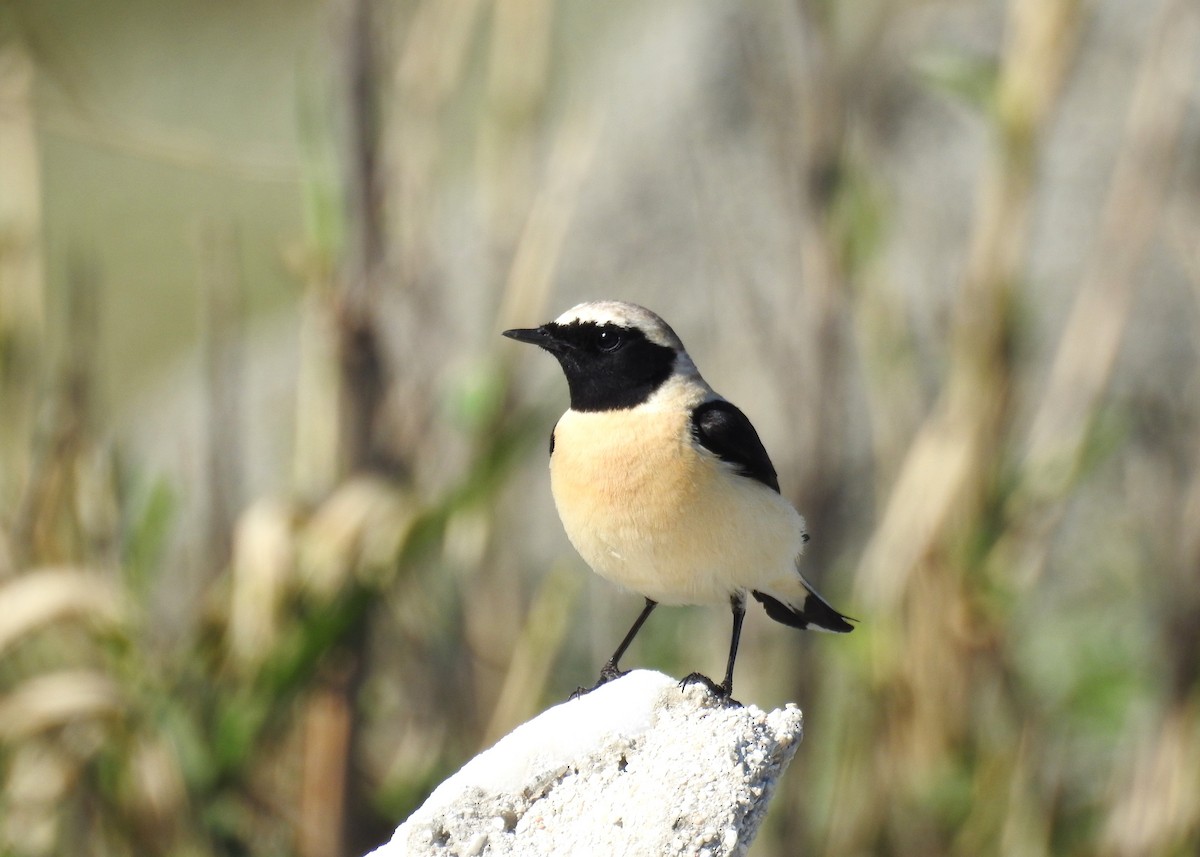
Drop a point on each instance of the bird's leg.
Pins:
(724, 690)
(738, 605)
(610, 670)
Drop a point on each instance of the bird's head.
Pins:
(615, 355)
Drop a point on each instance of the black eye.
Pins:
(608, 340)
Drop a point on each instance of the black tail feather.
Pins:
(814, 614)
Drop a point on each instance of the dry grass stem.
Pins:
(44, 596)
(1087, 351)
(57, 699)
(953, 452)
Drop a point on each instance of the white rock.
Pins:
(635, 767)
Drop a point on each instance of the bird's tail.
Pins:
(805, 609)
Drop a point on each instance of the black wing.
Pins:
(726, 432)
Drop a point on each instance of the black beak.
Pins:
(534, 336)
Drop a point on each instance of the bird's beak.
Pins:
(534, 336)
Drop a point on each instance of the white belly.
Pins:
(650, 512)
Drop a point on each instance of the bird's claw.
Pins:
(608, 673)
(720, 691)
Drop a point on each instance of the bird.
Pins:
(663, 486)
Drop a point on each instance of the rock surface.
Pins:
(635, 767)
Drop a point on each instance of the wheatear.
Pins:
(662, 485)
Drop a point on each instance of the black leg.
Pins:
(724, 690)
(611, 670)
(738, 603)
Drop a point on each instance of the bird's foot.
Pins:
(609, 672)
(722, 692)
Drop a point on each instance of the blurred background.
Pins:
(277, 550)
